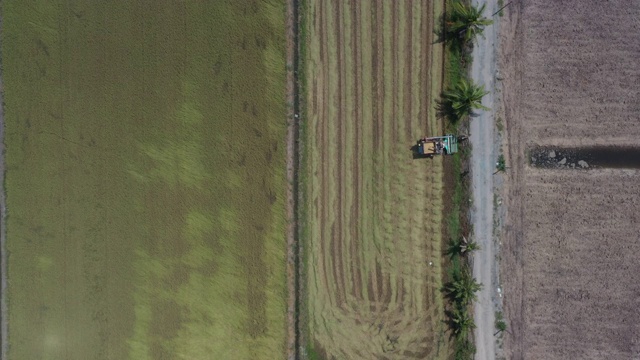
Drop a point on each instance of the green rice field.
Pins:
(145, 179)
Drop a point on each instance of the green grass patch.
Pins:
(454, 67)
(501, 165)
(501, 325)
(500, 125)
(145, 179)
(303, 181)
(454, 219)
(500, 6)
(311, 354)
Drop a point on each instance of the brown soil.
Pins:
(571, 241)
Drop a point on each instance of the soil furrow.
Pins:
(333, 184)
(323, 170)
(378, 128)
(356, 262)
(340, 178)
(407, 139)
(384, 124)
(391, 173)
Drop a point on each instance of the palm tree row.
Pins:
(466, 22)
(462, 290)
(461, 247)
(459, 101)
(463, 287)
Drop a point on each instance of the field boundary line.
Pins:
(4, 335)
(293, 163)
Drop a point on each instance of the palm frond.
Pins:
(464, 97)
(466, 21)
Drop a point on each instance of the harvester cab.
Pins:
(438, 145)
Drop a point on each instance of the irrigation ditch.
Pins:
(585, 158)
(3, 217)
(294, 158)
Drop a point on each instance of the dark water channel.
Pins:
(553, 157)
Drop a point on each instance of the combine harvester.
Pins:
(438, 145)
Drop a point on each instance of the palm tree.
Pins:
(501, 325)
(466, 21)
(462, 246)
(455, 247)
(461, 321)
(468, 247)
(501, 165)
(463, 98)
(463, 287)
(464, 349)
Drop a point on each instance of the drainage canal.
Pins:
(617, 157)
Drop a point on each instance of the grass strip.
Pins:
(457, 61)
(303, 167)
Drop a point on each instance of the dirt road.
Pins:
(483, 159)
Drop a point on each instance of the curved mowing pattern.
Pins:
(374, 213)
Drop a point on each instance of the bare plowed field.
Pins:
(373, 213)
(571, 74)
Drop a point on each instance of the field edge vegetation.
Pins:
(461, 24)
(305, 347)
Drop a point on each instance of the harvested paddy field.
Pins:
(373, 214)
(571, 86)
(145, 179)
